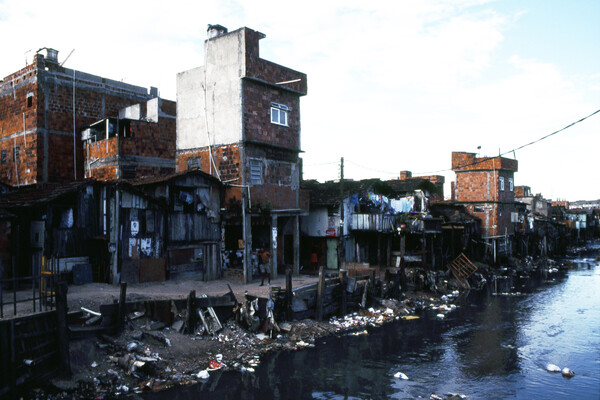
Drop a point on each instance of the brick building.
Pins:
(485, 185)
(140, 142)
(43, 107)
(238, 118)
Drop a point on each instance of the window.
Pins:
(510, 184)
(501, 181)
(279, 114)
(193, 163)
(29, 100)
(256, 172)
(128, 172)
(16, 154)
(3, 157)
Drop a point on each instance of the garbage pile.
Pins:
(392, 310)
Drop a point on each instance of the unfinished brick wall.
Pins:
(257, 116)
(149, 150)
(226, 158)
(470, 161)
(268, 71)
(478, 183)
(18, 116)
(46, 98)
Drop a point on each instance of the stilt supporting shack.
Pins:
(63, 331)
(344, 306)
(320, 287)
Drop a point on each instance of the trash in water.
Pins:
(568, 373)
(203, 374)
(400, 375)
(552, 368)
(214, 365)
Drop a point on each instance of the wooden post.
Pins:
(190, 322)
(122, 298)
(343, 284)
(371, 285)
(372, 278)
(63, 331)
(320, 287)
(288, 294)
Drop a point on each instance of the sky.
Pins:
(392, 85)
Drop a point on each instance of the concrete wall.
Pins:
(209, 98)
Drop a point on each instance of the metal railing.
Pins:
(40, 291)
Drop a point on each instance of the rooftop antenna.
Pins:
(478, 151)
(65, 60)
(27, 52)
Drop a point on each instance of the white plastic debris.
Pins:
(132, 346)
(552, 368)
(440, 316)
(94, 364)
(400, 375)
(203, 374)
(219, 357)
(568, 373)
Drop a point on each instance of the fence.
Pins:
(42, 294)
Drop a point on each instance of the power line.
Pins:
(515, 149)
(372, 169)
(325, 163)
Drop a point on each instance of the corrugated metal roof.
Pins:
(149, 180)
(40, 193)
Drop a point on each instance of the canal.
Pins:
(491, 347)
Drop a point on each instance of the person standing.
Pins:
(265, 266)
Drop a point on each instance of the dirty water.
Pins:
(492, 347)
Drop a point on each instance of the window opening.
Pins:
(279, 114)
(256, 172)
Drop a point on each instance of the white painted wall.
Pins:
(209, 98)
(316, 222)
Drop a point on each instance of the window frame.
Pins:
(255, 170)
(279, 110)
(3, 157)
(511, 185)
(501, 183)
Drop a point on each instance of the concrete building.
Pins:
(43, 108)
(485, 186)
(238, 118)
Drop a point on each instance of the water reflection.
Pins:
(491, 347)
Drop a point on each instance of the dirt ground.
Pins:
(92, 295)
(143, 358)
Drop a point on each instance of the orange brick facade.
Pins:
(486, 186)
(37, 120)
(148, 150)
